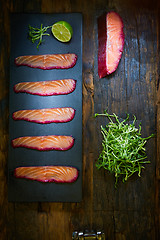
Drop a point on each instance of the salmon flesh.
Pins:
(58, 174)
(48, 61)
(44, 143)
(110, 42)
(48, 115)
(46, 88)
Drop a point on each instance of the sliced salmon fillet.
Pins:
(48, 61)
(110, 43)
(46, 88)
(44, 143)
(59, 174)
(48, 115)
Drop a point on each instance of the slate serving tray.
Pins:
(23, 190)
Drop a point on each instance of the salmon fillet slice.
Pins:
(44, 143)
(110, 43)
(46, 88)
(59, 174)
(48, 115)
(48, 61)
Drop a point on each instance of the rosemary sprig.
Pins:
(123, 148)
(36, 34)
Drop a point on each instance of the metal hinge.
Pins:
(86, 235)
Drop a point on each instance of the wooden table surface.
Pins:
(132, 210)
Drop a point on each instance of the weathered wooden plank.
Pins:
(157, 190)
(123, 225)
(24, 6)
(4, 75)
(60, 6)
(132, 89)
(125, 213)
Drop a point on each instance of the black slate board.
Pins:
(22, 190)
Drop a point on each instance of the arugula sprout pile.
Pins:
(123, 152)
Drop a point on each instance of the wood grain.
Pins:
(132, 210)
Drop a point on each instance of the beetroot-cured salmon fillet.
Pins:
(46, 88)
(58, 174)
(48, 115)
(110, 43)
(48, 61)
(44, 143)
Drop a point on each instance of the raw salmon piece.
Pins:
(44, 143)
(110, 43)
(48, 115)
(59, 174)
(48, 61)
(47, 88)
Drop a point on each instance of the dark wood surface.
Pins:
(132, 210)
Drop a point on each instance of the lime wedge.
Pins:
(62, 31)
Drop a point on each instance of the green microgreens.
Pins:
(123, 152)
(36, 34)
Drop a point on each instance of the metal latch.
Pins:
(86, 235)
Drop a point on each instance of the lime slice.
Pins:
(62, 31)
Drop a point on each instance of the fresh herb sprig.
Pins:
(36, 34)
(123, 148)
